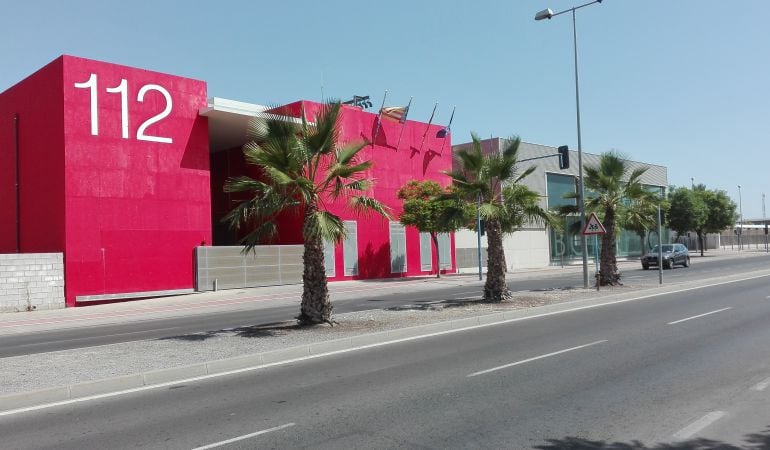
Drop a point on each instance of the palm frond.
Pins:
(365, 206)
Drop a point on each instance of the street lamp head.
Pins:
(544, 14)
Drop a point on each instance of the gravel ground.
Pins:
(31, 372)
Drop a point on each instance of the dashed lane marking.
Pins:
(690, 430)
(245, 436)
(494, 369)
(699, 315)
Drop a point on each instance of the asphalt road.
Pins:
(87, 336)
(667, 369)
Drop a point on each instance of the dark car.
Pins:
(673, 254)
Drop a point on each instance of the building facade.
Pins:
(537, 246)
(120, 169)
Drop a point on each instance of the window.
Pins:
(445, 251)
(397, 248)
(426, 252)
(329, 258)
(558, 185)
(350, 248)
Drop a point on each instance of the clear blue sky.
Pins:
(684, 83)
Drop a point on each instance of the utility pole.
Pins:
(764, 221)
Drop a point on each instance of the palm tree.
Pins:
(640, 216)
(492, 181)
(303, 168)
(609, 188)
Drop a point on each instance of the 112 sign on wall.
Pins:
(122, 89)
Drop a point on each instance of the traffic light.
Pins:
(483, 228)
(564, 157)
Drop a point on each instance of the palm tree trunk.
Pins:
(434, 237)
(608, 272)
(700, 240)
(316, 308)
(495, 289)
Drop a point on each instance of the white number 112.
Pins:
(122, 89)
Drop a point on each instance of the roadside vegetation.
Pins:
(491, 185)
(701, 210)
(428, 207)
(303, 169)
(616, 194)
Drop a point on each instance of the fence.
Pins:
(750, 239)
(229, 268)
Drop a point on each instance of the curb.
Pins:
(10, 403)
(162, 377)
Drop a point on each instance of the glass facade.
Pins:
(565, 245)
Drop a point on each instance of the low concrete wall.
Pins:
(31, 281)
(268, 265)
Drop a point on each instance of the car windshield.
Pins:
(666, 249)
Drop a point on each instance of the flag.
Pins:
(448, 129)
(397, 113)
(379, 118)
(428, 128)
(402, 121)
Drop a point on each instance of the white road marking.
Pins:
(698, 425)
(762, 385)
(245, 436)
(699, 315)
(534, 359)
(364, 347)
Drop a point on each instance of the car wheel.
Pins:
(667, 265)
(686, 262)
(645, 267)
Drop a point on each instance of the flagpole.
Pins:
(403, 125)
(448, 128)
(379, 116)
(428, 128)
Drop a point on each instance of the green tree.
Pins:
(426, 206)
(304, 168)
(610, 188)
(493, 180)
(721, 212)
(688, 211)
(641, 215)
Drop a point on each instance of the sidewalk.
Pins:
(57, 376)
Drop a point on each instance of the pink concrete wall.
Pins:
(392, 168)
(37, 100)
(136, 207)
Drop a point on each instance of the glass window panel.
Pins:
(350, 248)
(397, 248)
(558, 186)
(329, 258)
(426, 252)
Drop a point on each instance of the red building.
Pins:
(120, 169)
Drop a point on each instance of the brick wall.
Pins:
(31, 281)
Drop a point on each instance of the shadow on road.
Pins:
(757, 441)
(429, 305)
(255, 331)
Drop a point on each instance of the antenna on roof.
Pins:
(322, 87)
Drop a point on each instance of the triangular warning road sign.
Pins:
(593, 226)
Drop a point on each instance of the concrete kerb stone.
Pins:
(106, 385)
(174, 374)
(32, 398)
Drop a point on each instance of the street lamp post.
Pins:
(740, 227)
(764, 221)
(548, 14)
